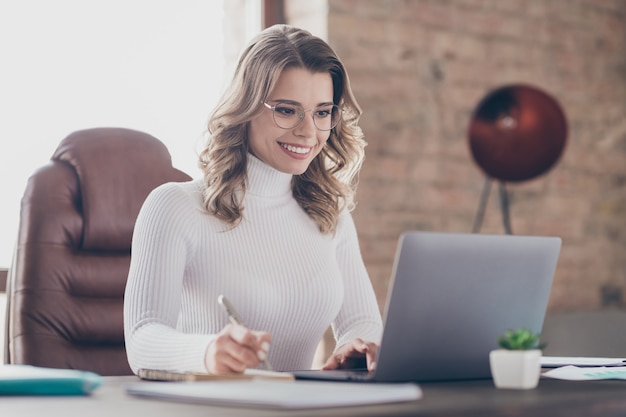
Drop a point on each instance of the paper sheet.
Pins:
(278, 394)
(557, 361)
(575, 373)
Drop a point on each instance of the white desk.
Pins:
(450, 399)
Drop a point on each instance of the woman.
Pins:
(269, 227)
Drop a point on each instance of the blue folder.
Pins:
(34, 380)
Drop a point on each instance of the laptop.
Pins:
(451, 296)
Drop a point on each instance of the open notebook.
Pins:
(450, 298)
(275, 394)
(35, 380)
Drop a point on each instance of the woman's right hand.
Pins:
(235, 349)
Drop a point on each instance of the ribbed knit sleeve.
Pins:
(359, 316)
(163, 243)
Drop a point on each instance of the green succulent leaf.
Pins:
(520, 339)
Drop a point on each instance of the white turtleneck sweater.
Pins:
(281, 273)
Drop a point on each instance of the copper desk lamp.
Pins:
(516, 133)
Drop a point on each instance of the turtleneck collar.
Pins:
(263, 180)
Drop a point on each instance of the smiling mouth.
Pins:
(295, 149)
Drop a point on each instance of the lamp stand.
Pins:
(504, 206)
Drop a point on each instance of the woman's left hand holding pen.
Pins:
(235, 349)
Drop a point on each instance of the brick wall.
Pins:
(418, 69)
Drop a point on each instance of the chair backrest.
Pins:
(66, 285)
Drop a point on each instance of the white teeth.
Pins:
(295, 149)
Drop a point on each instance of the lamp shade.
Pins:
(517, 132)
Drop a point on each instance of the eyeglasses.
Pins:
(289, 116)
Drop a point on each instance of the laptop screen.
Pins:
(452, 295)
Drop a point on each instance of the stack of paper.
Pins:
(583, 368)
(575, 373)
(556, 361)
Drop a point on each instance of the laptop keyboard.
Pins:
(359, 375)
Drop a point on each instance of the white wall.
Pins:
(150, 65)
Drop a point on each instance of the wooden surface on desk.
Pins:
(553, 398)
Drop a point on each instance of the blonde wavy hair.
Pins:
(328, 185)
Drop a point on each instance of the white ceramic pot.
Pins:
(515, 369)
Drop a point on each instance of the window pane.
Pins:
(150, 65)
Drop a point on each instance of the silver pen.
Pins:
(234, 318)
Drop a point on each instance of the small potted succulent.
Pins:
(517, 364)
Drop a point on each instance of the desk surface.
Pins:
(553, 398)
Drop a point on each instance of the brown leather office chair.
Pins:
(66, 285)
